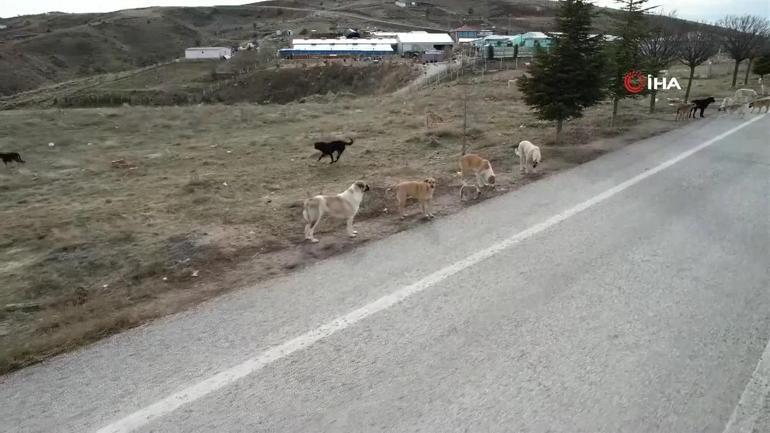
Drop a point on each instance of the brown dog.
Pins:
(683, 110)
(479, 168)
(421, 190)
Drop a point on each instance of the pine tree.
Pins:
(567, 78)
(625, 55)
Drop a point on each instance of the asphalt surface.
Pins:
(646, 312)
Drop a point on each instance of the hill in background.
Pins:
(38, 50)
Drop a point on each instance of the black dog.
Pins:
(700, 104)
(11, 157)
(329, 147)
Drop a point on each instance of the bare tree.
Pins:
(658, 51)
(743, 36)
(761, 47)
(695, 48)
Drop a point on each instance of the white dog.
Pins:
(528, 153)
(343, 206)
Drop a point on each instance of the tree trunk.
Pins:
(653, 95)
(689, 84)
(615, 102)
(748, 70)
(559, 125)
(735, 72)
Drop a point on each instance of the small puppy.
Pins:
(700, 104)
(479, 168)
(528, 153)
(11, 157)
(759, 103)
(328, 148)
(683, 111)
(343, 206)
(421, 190)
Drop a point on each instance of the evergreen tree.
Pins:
(624, 51)
(567, 78)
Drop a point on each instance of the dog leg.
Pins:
(352, 233)
(339, 153)
(311, 233)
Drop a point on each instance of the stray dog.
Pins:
(683, 111)
(700, 104)
(479, 168)
(343, 206)
(329, 147)
(11, 157)
(422, 191)
(528, 153)
(759, 103)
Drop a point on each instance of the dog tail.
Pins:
(350, 141)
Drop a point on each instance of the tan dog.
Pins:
(683, 110)
(528, 153)
(479, 168)
(759, 103)
(343, 206)
(422, 191)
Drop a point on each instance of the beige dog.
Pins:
(682, 110)
(479, 168)
(422, 191)
(343, 206)
(759, 103)
(528, 153)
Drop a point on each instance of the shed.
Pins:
(419, 42)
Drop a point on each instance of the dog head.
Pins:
(751, 105)
(361, 186)
(431, 182)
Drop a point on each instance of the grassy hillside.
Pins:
(43, 49)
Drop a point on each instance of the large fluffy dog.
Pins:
(759, 103)
(528, 153)
(343, 206)
(700, 104)
(479, 168)
(422, 191)
(11, 157)
(328, 148)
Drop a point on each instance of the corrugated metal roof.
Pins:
(424, 37)
(339, 47)
(344, 41)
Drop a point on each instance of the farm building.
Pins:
(419, 42)
(468, 33)
(215, 53)
(336, 50)
(341, 47)
(528, 41)
(433, 56)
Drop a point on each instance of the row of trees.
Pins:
(580, 70)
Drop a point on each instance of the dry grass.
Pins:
(214, 200)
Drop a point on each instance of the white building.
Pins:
(208, 53)
(419, 42)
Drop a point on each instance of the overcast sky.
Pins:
(702, 10)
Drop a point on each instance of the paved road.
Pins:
(609, 298)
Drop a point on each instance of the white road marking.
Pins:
(749, 408)
(220, 380)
